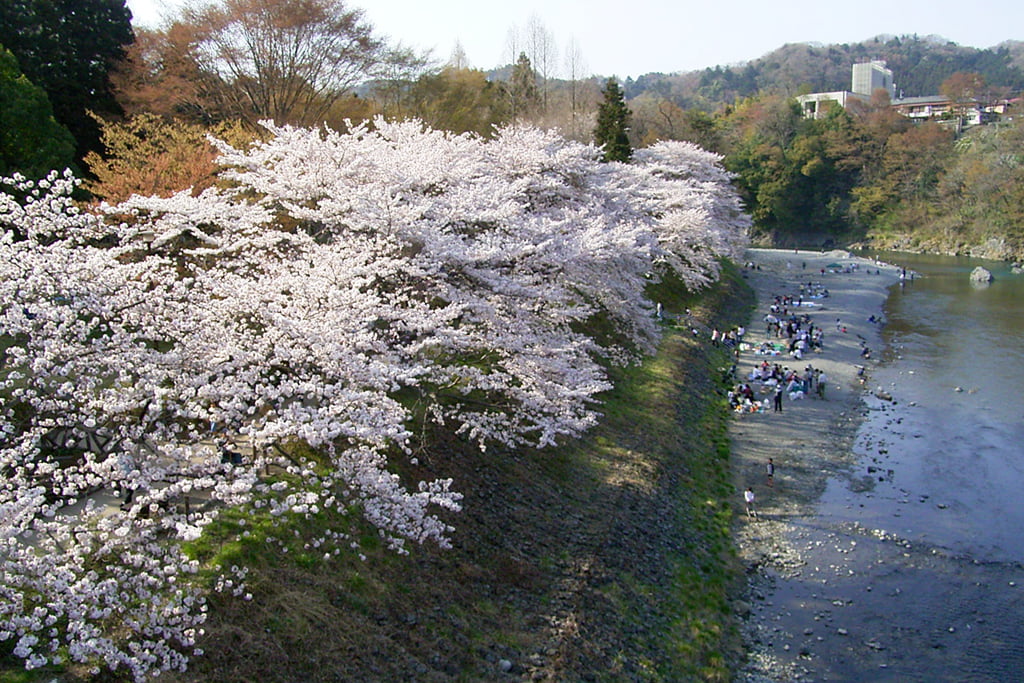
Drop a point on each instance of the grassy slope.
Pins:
(608, 559)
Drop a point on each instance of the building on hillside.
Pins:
(815, 105)
(958, 115)
(939, 108)
(867, 77)
(871, 76)
(921, 108)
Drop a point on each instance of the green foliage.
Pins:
(67, 47)
(921, 65)
(523, 93)
(777, 162)
(459, 100)
(981, 183)
(612, 131)
(12, 672)
(31, 141)
(867, 171)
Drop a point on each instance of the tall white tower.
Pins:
(870, 76)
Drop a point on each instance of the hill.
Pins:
(920, 65)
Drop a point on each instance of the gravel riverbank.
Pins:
(885, 550)
(809, 441)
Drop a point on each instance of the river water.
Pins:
(914, 568)
(954, 365)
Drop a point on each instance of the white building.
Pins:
(866, 79)
(871, 76)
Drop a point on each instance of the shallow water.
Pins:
(913, 558)
(954, 365)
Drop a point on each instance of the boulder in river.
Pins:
(981, 275)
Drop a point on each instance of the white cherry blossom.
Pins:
(346, 288)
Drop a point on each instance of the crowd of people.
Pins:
(775, 380)
(789, 332)
(785, 371)
(783, 368)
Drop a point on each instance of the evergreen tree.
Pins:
(31, 141)
(524, 96)
(67, 48)
(612, 129)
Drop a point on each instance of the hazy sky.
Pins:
(632, 37)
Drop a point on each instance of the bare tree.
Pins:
(575, 69)
(513, 45)
(397, 76)
(543, 54)
(458, 59)
(286, 60)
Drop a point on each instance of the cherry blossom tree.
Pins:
(347, 288)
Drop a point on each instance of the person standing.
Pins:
(748, 499)
(778, 397)
(771, 472)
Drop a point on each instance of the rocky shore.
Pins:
(808, 441)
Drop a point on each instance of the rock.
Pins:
(994, 248)
(504, 665)
(981, 275)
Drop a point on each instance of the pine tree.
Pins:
(524, 95)
(31, 141)
(67, 48)
(612, 129)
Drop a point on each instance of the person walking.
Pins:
(771, 472)
(748, 498)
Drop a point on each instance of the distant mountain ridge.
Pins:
(919, 64)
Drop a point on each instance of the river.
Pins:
(914, 569)
(954, 363)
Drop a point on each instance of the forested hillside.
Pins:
(863, 174)
(869, 175)
(920, 65)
